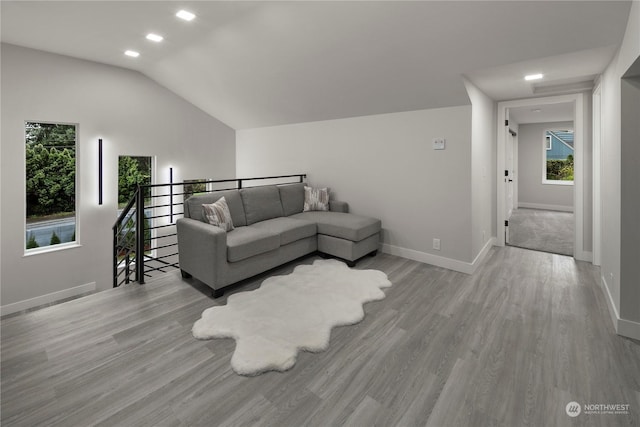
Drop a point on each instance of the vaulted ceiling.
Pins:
(264, 63)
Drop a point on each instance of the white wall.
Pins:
(384, 166)
(134, 116)
(483, 165)
(628, 320)
(531, 191)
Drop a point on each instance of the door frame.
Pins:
(578, 183)
(597, 173)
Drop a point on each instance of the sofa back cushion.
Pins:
(193, 206)
(261, 203)
(292, 197)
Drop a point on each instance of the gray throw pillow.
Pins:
(316, 199)
(218, 214)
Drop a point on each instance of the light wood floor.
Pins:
(510, 345)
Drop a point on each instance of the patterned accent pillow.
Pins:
(316, 199)
(218, 214)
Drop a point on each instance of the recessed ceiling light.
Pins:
(187, 16)
(536, 110)
(533, 77)
(154, 37)
(132, 53)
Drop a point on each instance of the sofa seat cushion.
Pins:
(245, 242)
(343, 225)
(289, 229)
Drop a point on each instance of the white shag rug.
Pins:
(291, 313)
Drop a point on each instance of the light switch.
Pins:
(438, 143)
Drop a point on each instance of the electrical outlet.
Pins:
(436, 244)
(438, 143)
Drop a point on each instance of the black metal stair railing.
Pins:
(144, 235)
(124, 244)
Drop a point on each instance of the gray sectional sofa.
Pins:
(270, 229)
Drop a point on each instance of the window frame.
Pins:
(547, 147)
(60, 246)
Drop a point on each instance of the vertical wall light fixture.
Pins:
(100, 171)
(171, 194)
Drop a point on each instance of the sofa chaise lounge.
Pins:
(271, 228)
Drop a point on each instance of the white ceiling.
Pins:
(253, 64)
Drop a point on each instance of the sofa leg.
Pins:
(351, 264)
(184, 274)
(373, 253)
(217, 293)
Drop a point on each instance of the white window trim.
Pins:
(552, 182)
(546, 181)
(52, 248)
(62, 246)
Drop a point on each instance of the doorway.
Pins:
(511, 157)
(536, 210)
(542, 218)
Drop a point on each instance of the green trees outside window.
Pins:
(558, 156)
(194, 186)
(50, 159)
(560, 170)
(132, 170)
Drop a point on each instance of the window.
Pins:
(50, 159)
(558, 152)
(194, 186)
(134, 170)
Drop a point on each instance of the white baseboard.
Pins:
(545, 207)
(584, 256)
(613, 311)
(629, 329)
(439, 261)
(479, 259)
(623, 327)
(47, 299)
